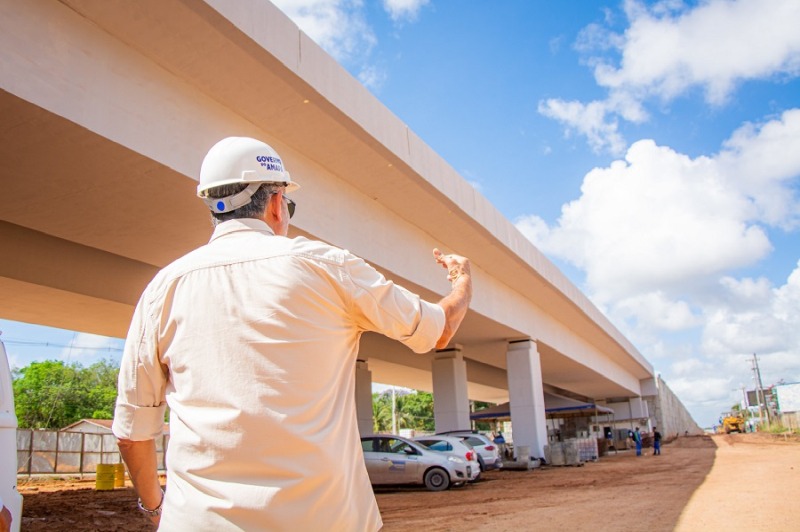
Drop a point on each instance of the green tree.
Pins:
(419, 408)
(482, 425)
(45, 394)
(100, 379)
(53, 394)
(404, 419)
(381, 413)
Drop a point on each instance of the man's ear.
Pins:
(274, 210)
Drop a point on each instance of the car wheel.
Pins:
(437, 479)
(481, 464)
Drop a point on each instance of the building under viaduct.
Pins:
(107, 111)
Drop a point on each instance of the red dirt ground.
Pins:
(735, 482)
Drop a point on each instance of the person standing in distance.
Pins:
(251, 340)
(656, 442)
(637, 439)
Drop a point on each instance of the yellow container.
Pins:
(119, 475)
(104, 479)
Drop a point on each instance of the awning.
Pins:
(554, 406)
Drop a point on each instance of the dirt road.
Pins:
(736, 482)
(750, 487)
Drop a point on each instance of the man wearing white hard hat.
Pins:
(251, 340)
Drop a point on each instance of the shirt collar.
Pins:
(238, 225)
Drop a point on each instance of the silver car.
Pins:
(454, 446)
(392, 459)
(488, 452)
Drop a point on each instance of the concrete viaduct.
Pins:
(107, 111)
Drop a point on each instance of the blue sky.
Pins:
(650, 149)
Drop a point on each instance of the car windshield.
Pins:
(399, 446)
(436, 445)
(386, 445)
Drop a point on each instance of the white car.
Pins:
(391, 459)
(453, 446)
(488, 452)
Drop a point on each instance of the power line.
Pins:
(51, 344)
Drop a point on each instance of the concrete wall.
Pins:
(671, 417)
(663, 410)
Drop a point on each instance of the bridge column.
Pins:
(364, 397)
(639, 411)
(526, 395)
(450, 399)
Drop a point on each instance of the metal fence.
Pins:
(790, 420)
(52, 451)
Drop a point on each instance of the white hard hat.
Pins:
(240, 160)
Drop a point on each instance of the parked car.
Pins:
(454, 446)
(392, 459)
(488, 452)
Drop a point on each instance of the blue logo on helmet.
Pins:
(270, 163)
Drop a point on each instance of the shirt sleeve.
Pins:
(139, 413)
(382, 306)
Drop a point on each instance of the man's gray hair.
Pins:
(254, 209)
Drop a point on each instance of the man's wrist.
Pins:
(460, 279)
(154, 511)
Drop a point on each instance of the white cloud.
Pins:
(660, 221)
(659, 234)
(87, 348)
(669, 49)
(404, 9)
(658, 311)
(338, 26)
(372, 77)
(589, 120)
(714, 46)
(762, 161)
(658, 218)
(746, 293)
(703, 390)
(769, 324)
(712, 379)
(341, 28)
(15, 361)
(689, 367)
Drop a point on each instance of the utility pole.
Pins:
(760, 391)
(748, 413)
(758, 388)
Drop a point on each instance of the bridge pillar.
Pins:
(526, 395)
(451, 401)
(364, 397)
(639, 411)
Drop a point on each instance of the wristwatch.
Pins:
(155, 511)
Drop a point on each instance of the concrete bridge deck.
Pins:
(108, 109)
